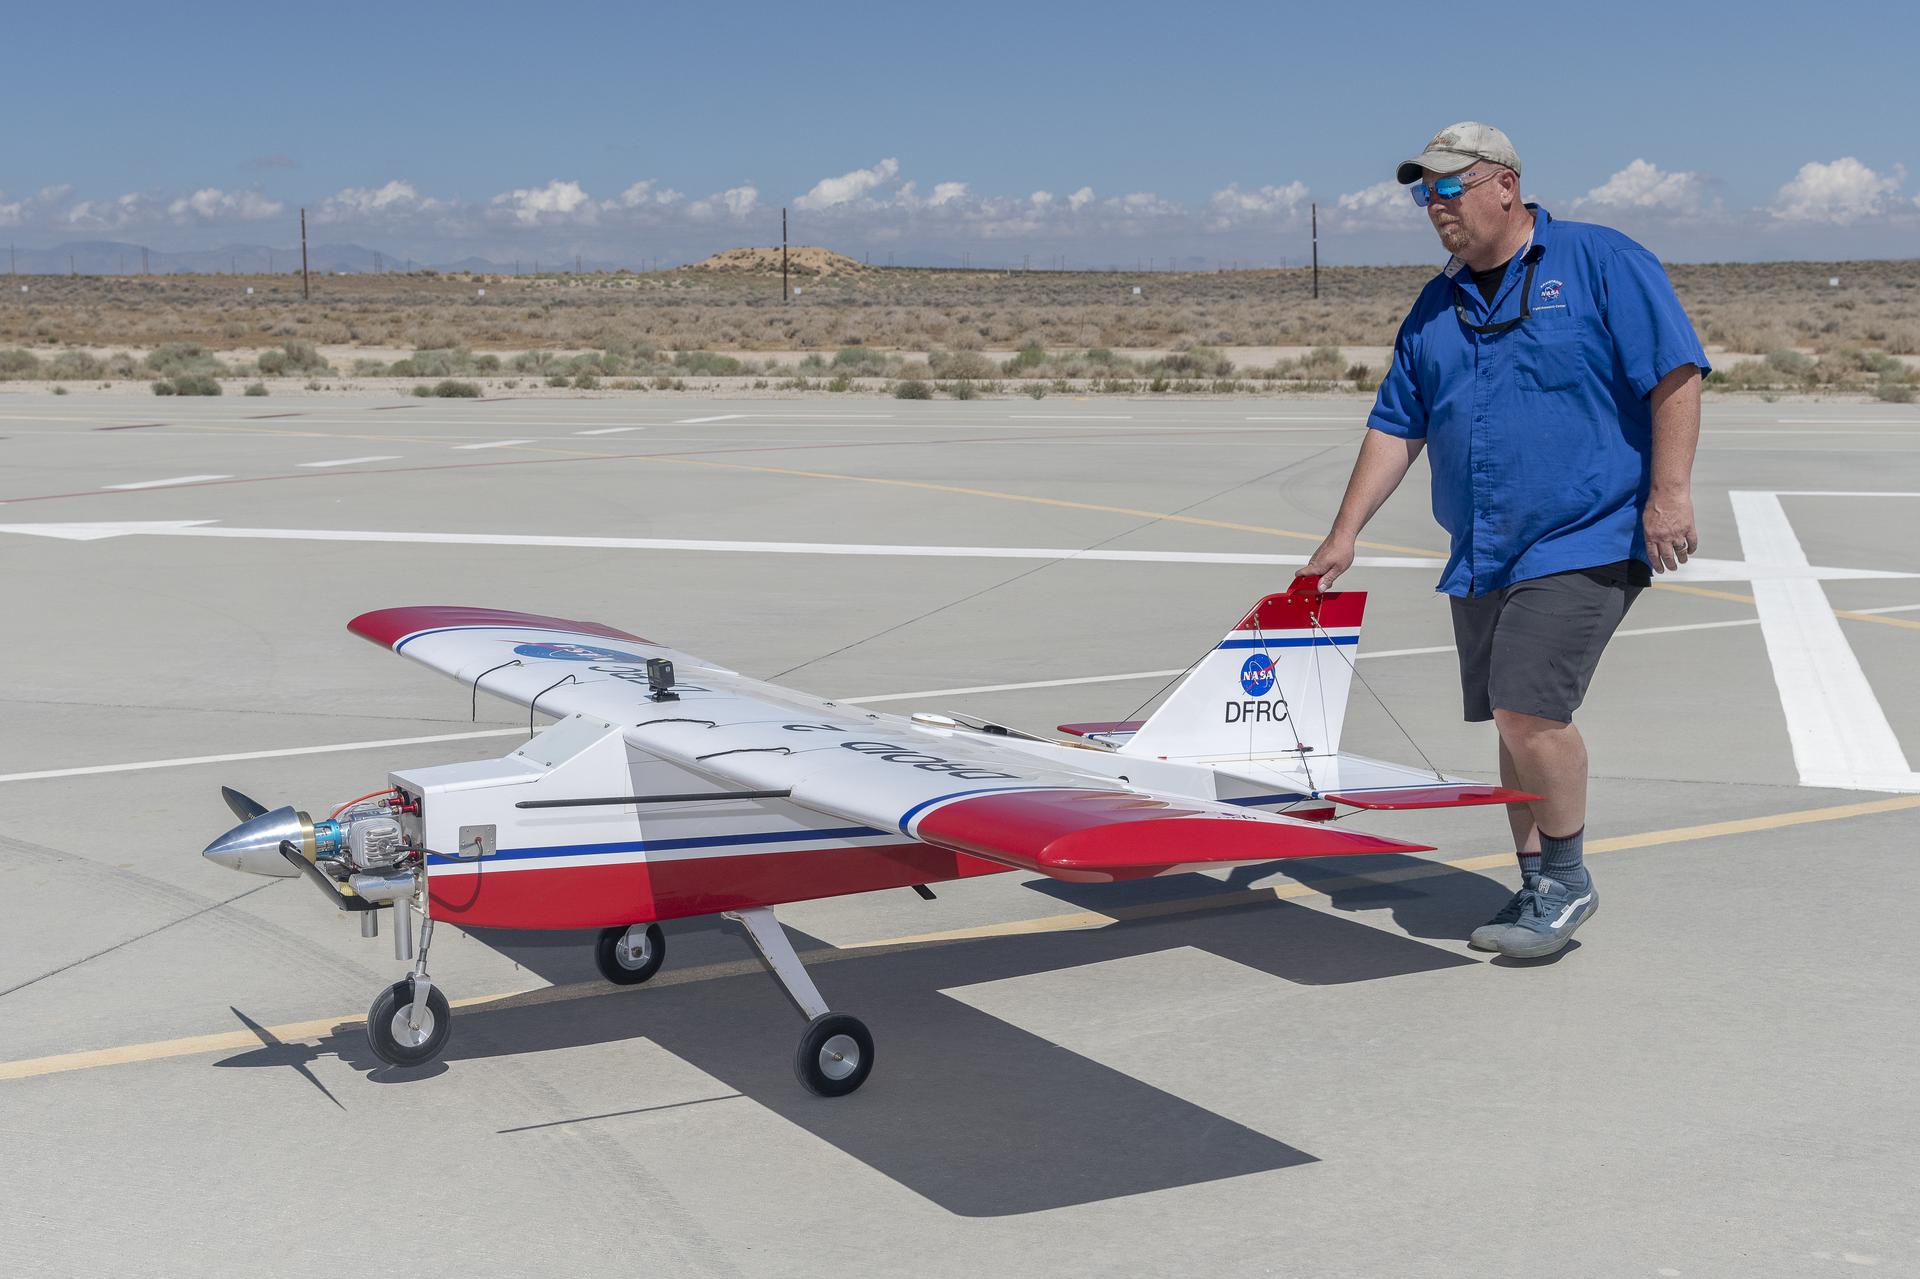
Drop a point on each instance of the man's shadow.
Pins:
(967, 1110)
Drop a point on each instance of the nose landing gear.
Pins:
(410, 1020)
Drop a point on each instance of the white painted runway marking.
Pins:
(1835, 493)
(1696, 570)
(334, 748)
(493, 444)
(178, 479)
(1840, 735)
(1767, 430)
(721, 417)
(244, 755)
(354, 461)
(611, 430)
(1070, 417)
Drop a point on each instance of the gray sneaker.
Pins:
(1549, 914)
(1488, 935)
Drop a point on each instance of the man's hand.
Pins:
(1670, 533)
(1334, 557)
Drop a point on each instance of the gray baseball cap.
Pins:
(1456, 147)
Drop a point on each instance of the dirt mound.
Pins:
(802, 259)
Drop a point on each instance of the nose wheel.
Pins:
(397, 1037)
(410, 1021)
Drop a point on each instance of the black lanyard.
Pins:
(1526, 306)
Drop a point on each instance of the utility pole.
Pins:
(143, 261)
(783, 254)
(1316, 250)
(576, 264)
(306, 286)
(71, 268)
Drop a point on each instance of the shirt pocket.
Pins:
(1549, 359)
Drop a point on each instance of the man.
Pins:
(1557, 380)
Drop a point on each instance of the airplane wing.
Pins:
(884, 772)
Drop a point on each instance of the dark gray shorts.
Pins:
(1532, 647)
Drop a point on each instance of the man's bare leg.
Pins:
(1526, 836)
(1550, 759)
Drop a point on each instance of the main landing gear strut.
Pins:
(836, 1053)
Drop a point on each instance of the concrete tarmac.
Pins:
(1297, 1072)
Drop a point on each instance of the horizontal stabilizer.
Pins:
(1438, 795)
(1104, 835)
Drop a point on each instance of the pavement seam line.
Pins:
(34, 1067)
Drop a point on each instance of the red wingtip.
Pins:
(388, 626)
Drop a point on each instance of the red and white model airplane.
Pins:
(670, 788)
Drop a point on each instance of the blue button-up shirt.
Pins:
(1540, 438)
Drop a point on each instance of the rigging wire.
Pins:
(1313, 617)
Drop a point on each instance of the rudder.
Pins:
(1276, 686)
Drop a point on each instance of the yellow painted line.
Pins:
(923, 485)
(1706, 592)
(1738, 598)
(1875, 617)
(1315, 538)
(291, 1032)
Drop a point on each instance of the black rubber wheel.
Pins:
(835, 1056)
(394, 1040)
(611, 957)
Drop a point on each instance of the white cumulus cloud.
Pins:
(848, 187)
(397, 199)
(1384, 206)
(1647, 187)
(556, 202)
(1080, 199)
(734, 202)
(644, 193)
(1843, 192)
(211, 204)
(1231, 204)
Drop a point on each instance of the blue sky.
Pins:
(1104, 133)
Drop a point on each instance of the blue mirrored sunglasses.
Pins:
(1451, 187)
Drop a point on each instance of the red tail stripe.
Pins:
(1299, 610)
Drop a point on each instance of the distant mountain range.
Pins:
(112, 257)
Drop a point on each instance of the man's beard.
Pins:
(1453, 237)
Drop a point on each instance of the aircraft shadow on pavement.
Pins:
(967, 1110)
(1445, 906)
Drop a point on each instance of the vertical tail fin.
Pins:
(1276, 686)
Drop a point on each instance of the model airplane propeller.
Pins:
(670, 787)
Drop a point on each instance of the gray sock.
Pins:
(1529, 865)
(1561, 860)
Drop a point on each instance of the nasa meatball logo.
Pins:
(575, 653)
(1551, 290)
(1257, 675)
